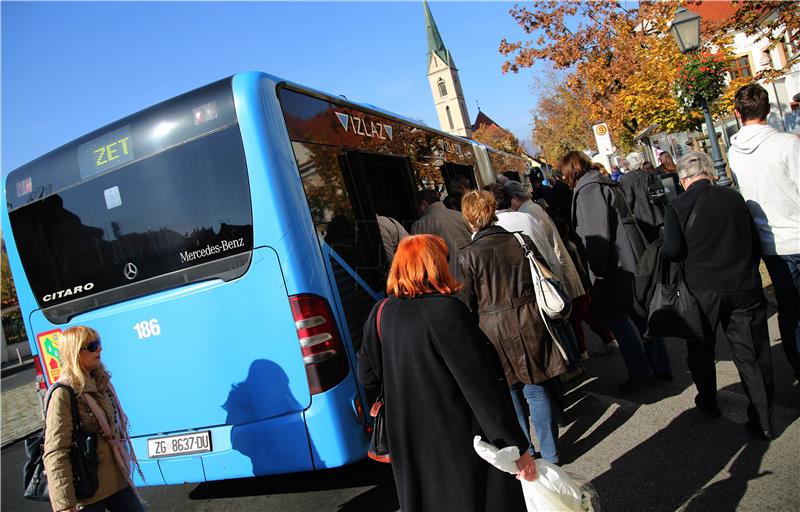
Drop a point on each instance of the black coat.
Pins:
(612, 241)
(561, 200)
(442, 385)
(649, 216)
(721, 250)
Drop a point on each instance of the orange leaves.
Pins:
(498, 138)
(618, 63)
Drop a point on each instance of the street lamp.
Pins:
(685, 28)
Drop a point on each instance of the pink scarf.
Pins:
(120, 443)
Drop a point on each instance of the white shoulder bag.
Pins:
(552, 300)
(551, 297)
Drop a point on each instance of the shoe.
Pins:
(584, 356)
(707, 408)
(607, 348)
(664, 376)
(632, 384)
(570, 376)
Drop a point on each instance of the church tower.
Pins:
(445, 85)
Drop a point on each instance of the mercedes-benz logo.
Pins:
(130, 271)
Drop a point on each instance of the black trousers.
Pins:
(742, 317)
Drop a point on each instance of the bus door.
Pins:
(386, 186)
(376, 184)
(450, 170)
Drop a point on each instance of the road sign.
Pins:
(602, 136)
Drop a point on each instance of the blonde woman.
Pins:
(100, 412)
(499, 287)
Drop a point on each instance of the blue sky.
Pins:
(69, 68)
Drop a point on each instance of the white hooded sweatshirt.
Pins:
(766, 165)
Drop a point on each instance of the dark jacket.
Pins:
(721, 249)
(612, 241)
(637, 186)
(561, 200)
(497, 280)
(440, 389)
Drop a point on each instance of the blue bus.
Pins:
(224, 244)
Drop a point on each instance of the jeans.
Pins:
(785, 274)
(535, 400)
(122, 501)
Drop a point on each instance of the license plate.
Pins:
(184, 444)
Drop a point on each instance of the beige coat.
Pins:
(57, 442)
(448, 224)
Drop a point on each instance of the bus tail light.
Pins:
(323, 353)
(41, 385)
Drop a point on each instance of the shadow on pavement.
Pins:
(382, 496)
(575, 442)
(672, 467)
(731, 490)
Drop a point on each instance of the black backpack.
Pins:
(624, 216)
(657, 192)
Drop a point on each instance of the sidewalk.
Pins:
(21, 413)
(652, 450)
(15, 366)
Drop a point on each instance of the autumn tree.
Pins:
(620, 61)
(498, 138)
(559, 120)
(9, 292)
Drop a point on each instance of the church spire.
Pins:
(435, 44)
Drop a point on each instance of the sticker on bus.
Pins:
(48, 349)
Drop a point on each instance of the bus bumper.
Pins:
(273, 446)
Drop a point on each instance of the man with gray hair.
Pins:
(634, 160)
(640, 186)
(709, 229)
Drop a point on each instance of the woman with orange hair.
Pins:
(440, 389)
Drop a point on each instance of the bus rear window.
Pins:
(178, 216)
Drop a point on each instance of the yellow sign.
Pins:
(601, 130)
(48, 348)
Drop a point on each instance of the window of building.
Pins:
(442, 88)
(740, 67)
(449, 117)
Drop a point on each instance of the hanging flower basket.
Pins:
(703, 76)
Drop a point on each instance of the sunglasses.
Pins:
(92, 346)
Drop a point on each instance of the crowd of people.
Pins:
(464, 349)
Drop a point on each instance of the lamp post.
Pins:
(685, 28)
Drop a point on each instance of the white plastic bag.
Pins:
(553, 491)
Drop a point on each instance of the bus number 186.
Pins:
(147, 328)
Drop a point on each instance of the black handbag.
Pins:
(379, 442)
(82, 455)
(674, 312)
